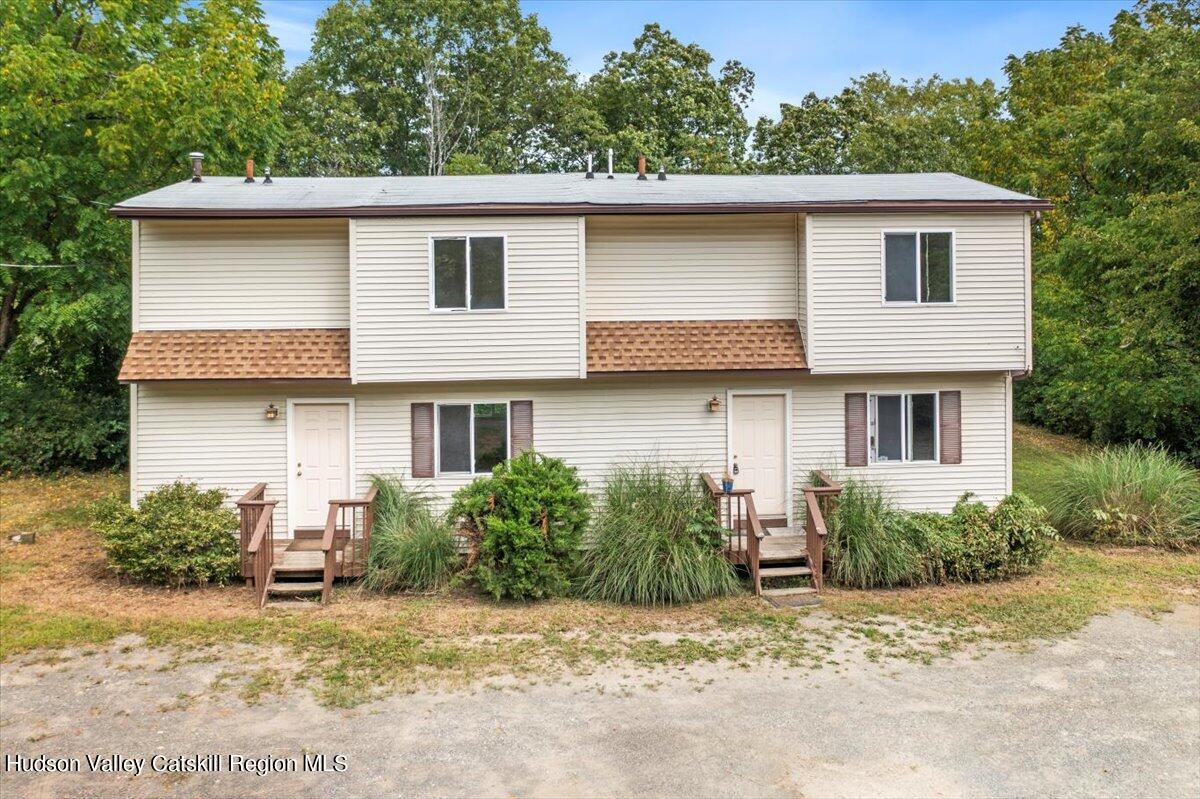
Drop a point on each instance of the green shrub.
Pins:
(872, 544)
(867, 545)
(656, 541)
(1129, 495)
(178, 535)
(1030, 537)
(411, 548)
(528, 518)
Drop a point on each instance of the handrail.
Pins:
(352, 532)
(254, 494)
(250, 511)
(744, 498)
(816, 529)
(263, 557)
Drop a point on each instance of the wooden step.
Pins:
(304, 561)
(799, 591)
(784, 571)
(294, 589)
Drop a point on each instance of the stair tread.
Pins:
(294, 588)
(789, 591)
(785, 571)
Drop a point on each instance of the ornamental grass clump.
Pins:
(656, 541)
(1133, 495)
(525, 522)
(411, 548)
(177, 536)
(867, 545)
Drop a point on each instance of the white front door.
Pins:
(320, 460)
(759, 448)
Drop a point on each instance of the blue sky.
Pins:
(792, 47)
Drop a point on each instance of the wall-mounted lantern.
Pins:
(714, 404)
(271, 412)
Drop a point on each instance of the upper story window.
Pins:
(468, 273)
(904, 427)
(472, 437)
(918, 267)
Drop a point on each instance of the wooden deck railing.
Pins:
(348, 532)
(257, 538)
(820, 500)
(743, 529)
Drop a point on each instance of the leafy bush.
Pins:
(411, 548)
(867, 546)
(872, 544)
(656, 541)
(528, 519)
(178, 535)
(1129, 495)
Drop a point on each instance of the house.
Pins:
(306, 333)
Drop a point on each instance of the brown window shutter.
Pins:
(856, 429)
(422, 439)
(522, 425)
(950, 426)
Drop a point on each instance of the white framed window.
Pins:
(904, 427)
(472, 437)
(468, 273)
(918, 267)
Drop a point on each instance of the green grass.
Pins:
(867, 545)
(655, 541)
(1129, 495)
(411, 548)
(1038, 458)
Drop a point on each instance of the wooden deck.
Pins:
(778, 545)
(305, 555)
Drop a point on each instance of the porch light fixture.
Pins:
(271, 412)
(714, 404)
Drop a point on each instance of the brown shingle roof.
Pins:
(694, 346)
(237, 355)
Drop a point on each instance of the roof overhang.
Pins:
(694, 346)
(190, 355)
(580, 209)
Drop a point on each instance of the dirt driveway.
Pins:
(1114, 711)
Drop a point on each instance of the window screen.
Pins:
(900, 267)
(922, 414)
(889, 423)
(491, 435)
(450, 273)
(454, 438)
(935, 268)
(487, 272)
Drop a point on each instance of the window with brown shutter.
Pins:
(950, 426)
(422, 439)
(521, 417)
(856, 429)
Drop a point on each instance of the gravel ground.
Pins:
(1114, 711)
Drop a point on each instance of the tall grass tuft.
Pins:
(655, 541)
(867, 544)
(1130, 495)
(411, 548)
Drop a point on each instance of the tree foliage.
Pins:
(101, 100)
(661, 99)
(402, 86)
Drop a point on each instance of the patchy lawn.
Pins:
(1039, 455)
(56, 595)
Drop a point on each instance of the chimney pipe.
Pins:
(267, 175)
(610, 174)
(249, 170)
(590, 174)
(197, 164)
(662, 171)
(641, 167)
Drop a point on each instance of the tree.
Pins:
(881, 125)
(1108, 127)
(401, 86)
(662, 100)
(100, 101)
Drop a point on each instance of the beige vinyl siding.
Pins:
(242, 274)
(818, 437)
(853, 331)
(397, 337)
(217, 434)
(737, 266)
